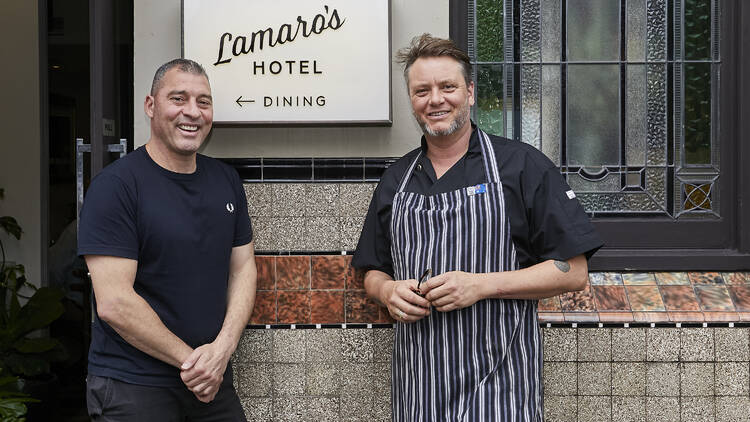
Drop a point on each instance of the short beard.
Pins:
(462, 117)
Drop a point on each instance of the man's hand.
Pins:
(402, 302)
(203, 371)
(452, 290)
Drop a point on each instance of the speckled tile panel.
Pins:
(322, 379)
(258, 409)
(288, 199)
(259, 199)
(733, 409)
(560, 378)
(356, 345)
(696, 379)
(323, 345)
(321, 199)
(594, 409)
(560, 409)
(560, 344)
(594, 345)
(354, 198)
(357, 409)
(321, 234)
(629, 344)
(594, 378)
(697, 345)
(264, 233)
(254, 379)
(662, 379)
(289, 346)
(356, 379)
(662, 409)
(628, 409)
(698, 409)
(732, 378)
(351, 227)
(732, 344)
(629, 379)
(663, 345)
(288, 379)
(382, 344)
(255, 346)
(289, 233)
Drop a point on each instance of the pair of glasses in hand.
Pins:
(425, 276)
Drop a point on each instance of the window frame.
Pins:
(663, 243)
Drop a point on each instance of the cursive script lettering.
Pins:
(246, 44)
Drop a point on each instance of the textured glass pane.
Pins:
(530, 106)
(633, 179)
(697, 113)
(636, 29)
(610, 183)
(697, 27)
(530, 36)
(551, 20)
(657, 114)
(489, 33)
(489, 102)
(593, 30)
(618, 202)
(656, 184)
(593, 115)
(657, 30)
(635, 115)
(551, 112)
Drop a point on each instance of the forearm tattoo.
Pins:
(562, 266)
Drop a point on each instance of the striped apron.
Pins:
(481, 363)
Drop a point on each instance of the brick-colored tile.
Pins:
(293, 307)
(610, 298)
(645, 298)
(329, 272)
(264, 311)
(714, 298)
(292, 272)
(679, 298)
(266, 266)
(360, 308)
(705, 278)
(327, 307)
(582, 301)
(550, 304)
(741, 297)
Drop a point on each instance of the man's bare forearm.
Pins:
(128, 313)
(240, 296)
(546, 279)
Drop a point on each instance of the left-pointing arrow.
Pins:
(240, 101)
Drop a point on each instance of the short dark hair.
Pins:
(184, 65)
(426, 45)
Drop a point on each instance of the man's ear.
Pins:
(470, 88)
(148, 106)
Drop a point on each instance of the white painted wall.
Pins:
(20, 152)
(157, 40)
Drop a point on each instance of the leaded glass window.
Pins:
(622, 95)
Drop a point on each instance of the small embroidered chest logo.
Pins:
(476, 190)
(230, 207)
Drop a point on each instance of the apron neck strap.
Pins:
(408, 173)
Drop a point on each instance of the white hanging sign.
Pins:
(293, 61)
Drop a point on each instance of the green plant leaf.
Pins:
(10, 225)
(42, 308)
(35, 345)
(27, 365)
(11, 410)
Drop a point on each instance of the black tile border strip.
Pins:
(310, 170)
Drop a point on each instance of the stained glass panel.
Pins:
(697, 117)
(489, 30)
(636, 27)
(593, 30)
(489, 99)
(530, 105)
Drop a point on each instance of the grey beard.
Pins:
(458, 123)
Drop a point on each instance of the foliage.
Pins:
(20, 354)
(12, 401)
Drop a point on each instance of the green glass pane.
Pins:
(489, 101)
(489, 32)
(697, 113)
(697, 27)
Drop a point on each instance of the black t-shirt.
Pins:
(546, 220)
(181, 229)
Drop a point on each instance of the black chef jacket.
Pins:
(546, 220)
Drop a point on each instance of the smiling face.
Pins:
(181, 112)
(440, 99)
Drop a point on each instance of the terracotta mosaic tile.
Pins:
(679, 298)
(355, 279)
(292, 272)
(645, 298)
(706, 278)
(672, 278)
(638, 279)
(327, 307)
(650, 317)
(551, 317)
(266, 266)
(605, 279)
(714, 298)
(736, 278)
(616, 317)
(680, 316)
(611, 298)
(550, 304)
(384, 317)
(360, 308)
(741, 297)
(581, 317)
(582, 301)
(329, 272)
(721, 316)
(293, 307)
(264, 311)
